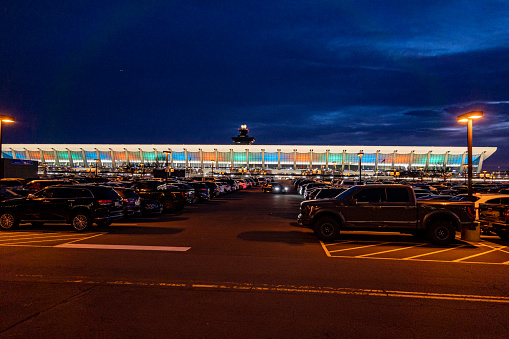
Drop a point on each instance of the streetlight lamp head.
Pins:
(470, 116)
(6, 118)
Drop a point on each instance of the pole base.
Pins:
(472, 235)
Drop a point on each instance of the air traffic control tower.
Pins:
(243, 138)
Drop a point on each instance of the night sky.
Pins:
(335, 72)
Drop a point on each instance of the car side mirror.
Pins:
(354, 201)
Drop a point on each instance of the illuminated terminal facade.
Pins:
(270, 157)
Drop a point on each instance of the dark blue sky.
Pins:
(296, 72)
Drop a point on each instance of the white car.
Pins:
(484, 198)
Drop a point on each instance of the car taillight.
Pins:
(104, 202)
(471, 211)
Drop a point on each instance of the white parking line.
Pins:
(393, 250)
(126, 247)
(356, 248)
(434, 252)
(479, 254)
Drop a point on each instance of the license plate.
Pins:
(117, 203)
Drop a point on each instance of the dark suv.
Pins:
(78, 205)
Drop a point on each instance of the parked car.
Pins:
(36, 185)
(131, 201)
(78, 205)
(6, 194)
(495, 218)
(214, 188)
(201, 189)
(12, 183)
(151, 207)
(171, 197)
(189, 191)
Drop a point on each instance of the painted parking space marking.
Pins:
(479, 254)
(387, 251)
(43, 239)
(483, 252)
(434, 252)
(126, 247)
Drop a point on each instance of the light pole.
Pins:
(167, 168)
(468, 118)
(212, 167)
(484, 175)
(360, 154)
(96, 161)
(3, 118)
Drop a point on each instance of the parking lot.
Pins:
(214, 259)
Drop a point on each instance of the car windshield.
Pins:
(347, 193)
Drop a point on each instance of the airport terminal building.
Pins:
(234, 156)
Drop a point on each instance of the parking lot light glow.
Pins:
(470, 116)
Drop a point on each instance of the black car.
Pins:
(151, 207)
(201, 189)
(36, 185)
(131, 201)
(172, 198)
(78, 205)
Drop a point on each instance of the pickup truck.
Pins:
(386, 208)
(495, 218)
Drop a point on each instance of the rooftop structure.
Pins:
(243, 138)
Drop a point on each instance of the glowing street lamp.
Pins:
(3, 118)
(468, 118)
(360, 154)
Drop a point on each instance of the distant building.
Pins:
(274, 157)
(243, 138)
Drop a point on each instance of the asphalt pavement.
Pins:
(239, 267)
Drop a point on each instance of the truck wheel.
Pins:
(503, 235)
(327, 229)
(8, 221)
(441, 232)
(81, 221)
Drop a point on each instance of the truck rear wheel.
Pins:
(441, 232)
(327, 229)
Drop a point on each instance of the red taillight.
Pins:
(104, 202)
(471, 211)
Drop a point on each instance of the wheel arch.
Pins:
(332, 214)
(442, 215)
(79, 209)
